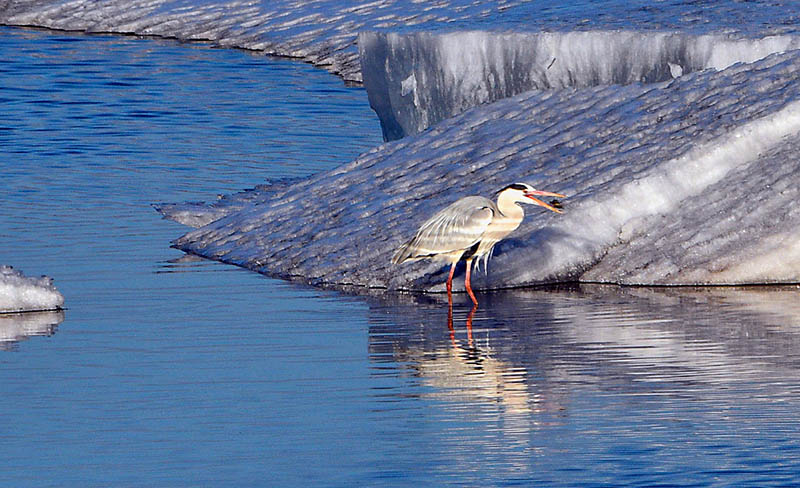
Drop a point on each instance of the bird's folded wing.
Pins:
(457, 227)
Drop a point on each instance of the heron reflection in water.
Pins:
(469, 229)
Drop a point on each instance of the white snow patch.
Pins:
(597, 223)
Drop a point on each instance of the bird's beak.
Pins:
(530, 195)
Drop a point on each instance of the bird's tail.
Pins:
(403, 253)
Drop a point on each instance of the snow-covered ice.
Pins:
(688, 181)
(20, 293)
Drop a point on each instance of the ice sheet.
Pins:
(690, 181)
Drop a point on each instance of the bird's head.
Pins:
(525, 193)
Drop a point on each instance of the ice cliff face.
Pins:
(689, 181)
(417, 80)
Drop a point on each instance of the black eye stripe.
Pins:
(515, 186)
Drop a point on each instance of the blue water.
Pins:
(170, 371)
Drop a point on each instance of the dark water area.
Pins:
(171, 371)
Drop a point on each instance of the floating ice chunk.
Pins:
(454, 71)
(19, 293)
(694, 181)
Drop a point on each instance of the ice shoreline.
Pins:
(324, 32)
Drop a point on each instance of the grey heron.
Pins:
(469, 228)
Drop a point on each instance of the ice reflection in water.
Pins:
(15, 327)
(629, 375)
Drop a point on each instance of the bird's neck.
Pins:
(509, 208)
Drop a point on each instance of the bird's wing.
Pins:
(454, 228)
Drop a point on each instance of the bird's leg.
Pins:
(450, 323)
(466, 282)
(450, 283)
(469, 324)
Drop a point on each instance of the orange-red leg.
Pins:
(466, 282)
(469, 323)
(450, 283)
(450, 323)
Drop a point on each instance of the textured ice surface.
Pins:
(416, 80)
(324, 32)
(19, 293)
(691, 181)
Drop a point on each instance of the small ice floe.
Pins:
(19, 293)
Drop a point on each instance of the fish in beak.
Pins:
(532, 194)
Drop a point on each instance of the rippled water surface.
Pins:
(168, 371)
